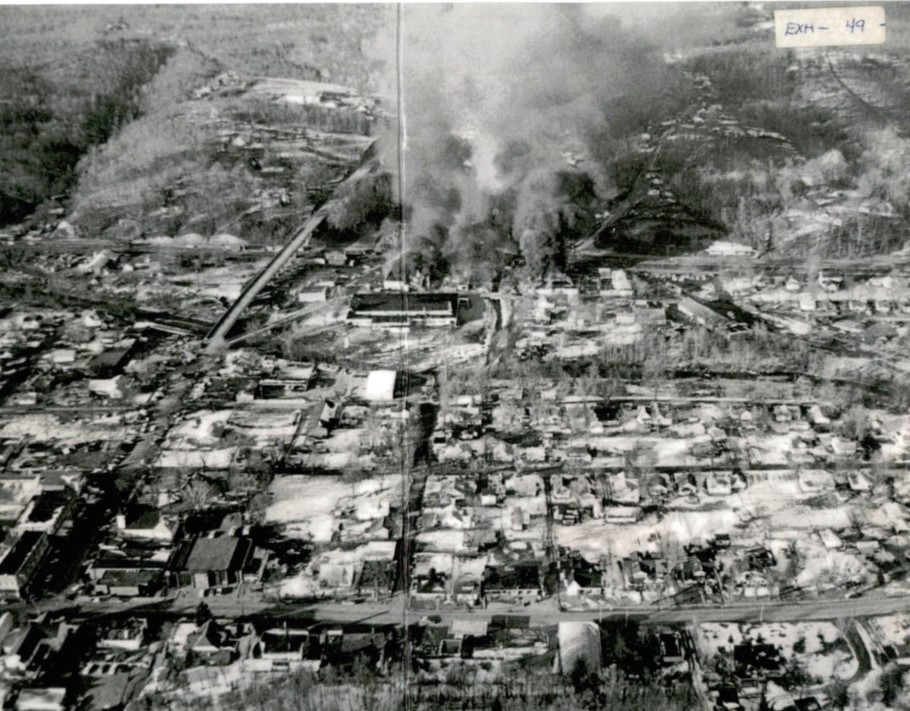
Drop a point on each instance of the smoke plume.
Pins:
(509, 112)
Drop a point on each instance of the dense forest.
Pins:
(95, 120)
(45, 128)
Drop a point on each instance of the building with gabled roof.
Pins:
(213, 644)
(207, 562)
(144, 521)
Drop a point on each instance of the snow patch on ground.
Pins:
(42, 427)
(197, 429)
(313, 506)
(596, 538)
(823, 651)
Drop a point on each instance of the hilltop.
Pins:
(792, 152)
(129, 127)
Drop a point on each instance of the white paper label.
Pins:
(829, 26)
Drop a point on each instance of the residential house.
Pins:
(343, 646)
(429, 588)
(583, 578)
(641, 570)
(728, 699)
(431, 640)
(146, 522)
(213, 644)
(466, 589)
(718, 483)
(759, 559)
(690, 570)
(815, 481)
(129, 636)
(376, 576)
(829, 280)
(819, 421)
(859, 481)
(624, 491)
(286, 649)
(335, 258)
(210, 561)
(517, 581)
(330, 414)
(110, 363)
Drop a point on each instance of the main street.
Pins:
(393, 611)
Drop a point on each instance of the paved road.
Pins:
(393, 611)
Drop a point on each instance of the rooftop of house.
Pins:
(142, 516)
(515, 577)
(285, 641)
(223, 553)
(212, 634)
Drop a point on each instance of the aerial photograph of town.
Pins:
(410, 357)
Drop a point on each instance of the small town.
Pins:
(297, 431)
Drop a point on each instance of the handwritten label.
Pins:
(831, 26)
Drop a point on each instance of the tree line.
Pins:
(46, 125)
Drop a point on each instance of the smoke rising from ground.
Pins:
(507, 110)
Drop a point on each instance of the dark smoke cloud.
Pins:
(500, 100)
